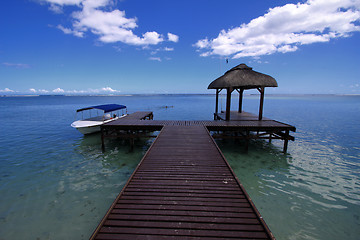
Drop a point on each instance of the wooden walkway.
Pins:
(183, 188)
(138, 116)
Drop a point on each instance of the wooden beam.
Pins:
(262, 93)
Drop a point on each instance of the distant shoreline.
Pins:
(177, 94)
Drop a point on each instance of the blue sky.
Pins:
(161, 46)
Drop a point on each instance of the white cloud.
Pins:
(168, 49)
(58, 90)
(283, 29)
(6, 90)
(70, 31)
(16, 65)
(56, 8)
(287, 48)
(155, 59)
(43, 91)
(64, 2)
(109, 26)
(108, 89)
(173, 37)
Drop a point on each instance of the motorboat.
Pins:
(93, 117)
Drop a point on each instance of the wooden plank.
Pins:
(184, 225)
(194, 219)
(184, 232)
(151, 237)
(202, 199)
(184, 213)
(184, 203)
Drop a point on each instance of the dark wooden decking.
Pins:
(138, 116)
(236, 116)
(182, 189)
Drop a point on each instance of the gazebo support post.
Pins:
(217, 103)
(262, 93)
(241, 91)
(228, 103)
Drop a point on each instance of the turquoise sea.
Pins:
(57, 184)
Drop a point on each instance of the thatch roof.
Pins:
(244, 77)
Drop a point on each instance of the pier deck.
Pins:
(244, 126)
(183, 188)
(236, 116)
(138, 116)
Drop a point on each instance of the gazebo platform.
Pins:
(237, 116)
(247, 126)
(244, 126)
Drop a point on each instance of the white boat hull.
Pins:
(88, 127)
(89, 130)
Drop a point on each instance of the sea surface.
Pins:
(57, 184)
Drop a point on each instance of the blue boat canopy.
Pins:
(106, 107)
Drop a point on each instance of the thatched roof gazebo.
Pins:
(241, 78)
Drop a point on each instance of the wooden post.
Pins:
(286, 140)
(217, 103)
(240, 99)
(262, 93)
(228, 103)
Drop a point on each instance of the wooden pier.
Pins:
(183, 189)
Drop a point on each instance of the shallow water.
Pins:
(57, 184)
